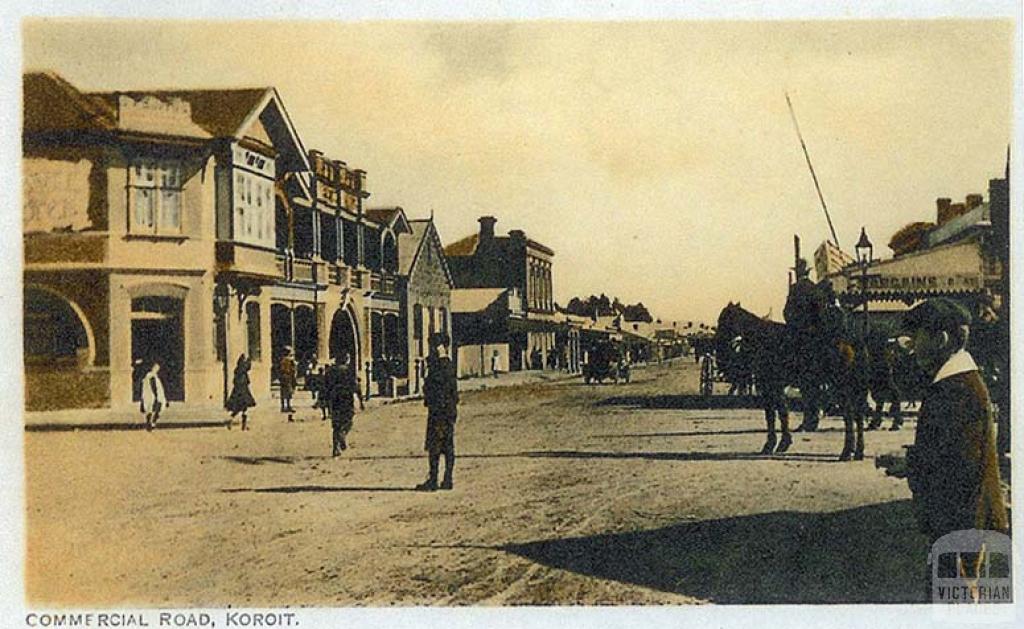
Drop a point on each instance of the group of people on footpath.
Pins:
(337, 392)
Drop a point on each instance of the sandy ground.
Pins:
(565, 494)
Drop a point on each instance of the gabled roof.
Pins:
(391, 217)
(227, 113)
(52, 104)
(421, 232)
(220, 112)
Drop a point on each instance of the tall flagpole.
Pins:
(807, 156)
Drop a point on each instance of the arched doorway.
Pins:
(343, 338)
(280, 335)
(305, 333)
(157, 324)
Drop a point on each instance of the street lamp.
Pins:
(865, 256)
(221, 302)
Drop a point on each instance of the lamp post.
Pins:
(865, 256)
(221, 302)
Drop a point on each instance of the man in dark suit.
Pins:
(340, 390)
(953, 469)
(441, 397)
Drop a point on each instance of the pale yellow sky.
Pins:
(658, 160)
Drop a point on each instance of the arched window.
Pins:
(55, 336)
(389, 253)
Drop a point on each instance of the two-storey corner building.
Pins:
(485, 260)
(150, 233)
(426, 294)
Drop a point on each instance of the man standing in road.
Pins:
(441, 397)
(339, 389)
(287, 373)
(953, 470)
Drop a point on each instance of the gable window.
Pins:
(154, 190)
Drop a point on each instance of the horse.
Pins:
(767, 347)
(835, 355)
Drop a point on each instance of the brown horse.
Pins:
(767, 346)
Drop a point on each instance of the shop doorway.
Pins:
(158, 336)
(343, 338)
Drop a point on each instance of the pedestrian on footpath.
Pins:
(494, 364)
(441, 397)
(241, 399)
(153, 399)
(341, 390)
(952, 467)
(286, 370)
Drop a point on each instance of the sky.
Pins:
(657, 159)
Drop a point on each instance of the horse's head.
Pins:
(813, 308)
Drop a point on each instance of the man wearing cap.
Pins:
(441, 397)
(953, 470)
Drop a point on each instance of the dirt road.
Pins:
(565, 494)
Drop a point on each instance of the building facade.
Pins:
(513, 263)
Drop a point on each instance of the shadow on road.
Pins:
(121, 426)
(699, 433)
(573, 454)
(299, 489)
(870, 554)
(692, 402)
(684, 456)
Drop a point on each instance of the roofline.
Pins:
(271, 94)
(431, 228)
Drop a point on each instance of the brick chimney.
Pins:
(517, 235)
(487, 227)
(973, 201)
(957, 209)
(944, 210)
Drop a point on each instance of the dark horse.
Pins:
(833, 353)
(767, 349)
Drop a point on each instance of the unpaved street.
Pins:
(565, 494)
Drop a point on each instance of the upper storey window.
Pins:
(154, 190)
(253, 198)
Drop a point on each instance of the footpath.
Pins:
(180, 415)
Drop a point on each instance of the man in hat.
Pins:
(286, 371)
(340, 390)
(441, 397)
(953, 470)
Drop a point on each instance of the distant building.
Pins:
(486, 260)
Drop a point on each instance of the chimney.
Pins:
(486, 227)
(973, 201)
(517, 235)
(957, 209)
(944, 213)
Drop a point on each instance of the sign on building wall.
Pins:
(925, 283)
(56, 195)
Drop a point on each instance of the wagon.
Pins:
(601, 365)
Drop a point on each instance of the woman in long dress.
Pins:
(241, 399)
